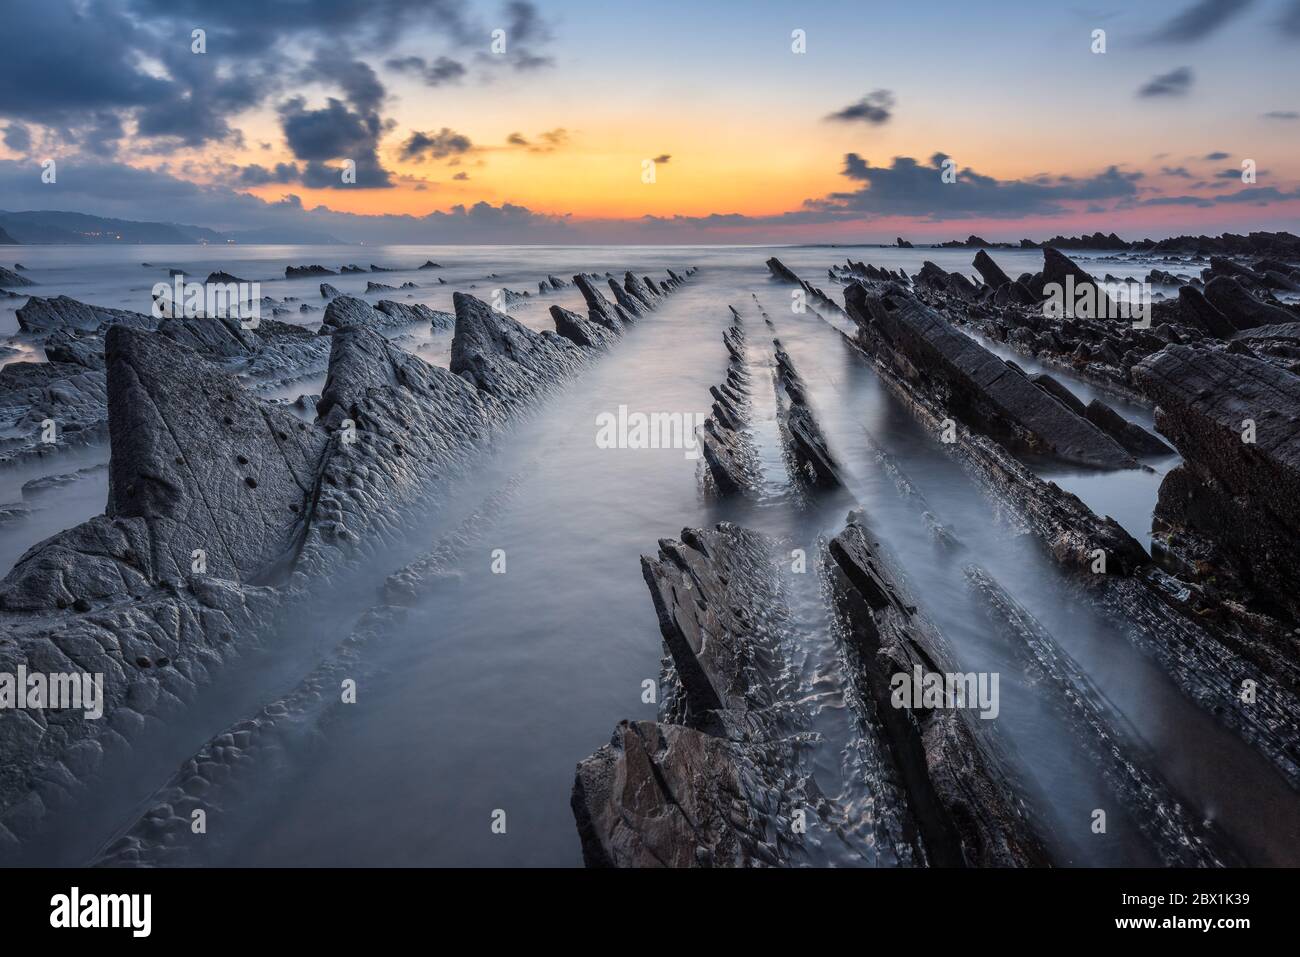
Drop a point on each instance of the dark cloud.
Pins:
(1174, 83)
(258, 175)
(874, 108)
(662, 159)
(18, 137)
(1281, 115)
(526, 24)
(1216, 156)
(1289, 23)
(461, 176)
(65, 63)
(525, 29)
(1176, 171)
(908, 188)
(547, 142)
(326, 133)
(420, 146)
(331, 66)
(1198, 21)
(440, 72)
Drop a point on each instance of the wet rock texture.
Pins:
(223, 508)
(710, 784)
(729, 454)
(70, 389)
(811, 462)
(1231, 511)
(1153, 806)
(1208, 643)
(978, 387)
(955, 776)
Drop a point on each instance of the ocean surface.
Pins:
(496, 685)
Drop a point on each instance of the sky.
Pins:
(761, 121)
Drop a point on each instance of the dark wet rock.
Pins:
(1242, 309)
(374, 268)
(977, 386)
(409, 285)
(629, 303)
(69, 394)
(581, 331)
(729, 453)
(812, 462)
(1161, 277)
(40, 316)
(34, 488)
(63, 347)
(902, 243)
(351, 269)
(1129, 770)
(661, 795)
(1058, 391)
(344, 312)
(600, 309)
(1060, 269)
(1200, 313)
(222, 277)
(306, 272)
(953, 771)
(641, 290)
(403, 313)
(1237, 509)
(712, 787)
(785, 274)
(1132, 436)
(504, 358)
(380, 287)
(329, 292)
(1208, 647)
(275, 502)
(990, 271)
(11, 279)
(555, 282)
(430, 264)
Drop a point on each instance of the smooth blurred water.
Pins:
(498, 684)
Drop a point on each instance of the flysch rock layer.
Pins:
(978, 387)
(730, 459)
(711, 784)
(812, 464)
(205, 476)
(1206, 645)
(953, 772)
(1231, 510)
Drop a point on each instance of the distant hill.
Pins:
(56, 226)
(6, 239)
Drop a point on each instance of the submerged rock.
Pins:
(306, 272)
(973, 383)
(39, 316)
(1233, 508)
(728, 450)
(11, 279)
(711, 784)
(954, 774)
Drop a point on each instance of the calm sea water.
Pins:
(498, 684)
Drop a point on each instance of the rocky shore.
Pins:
(225, 509)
